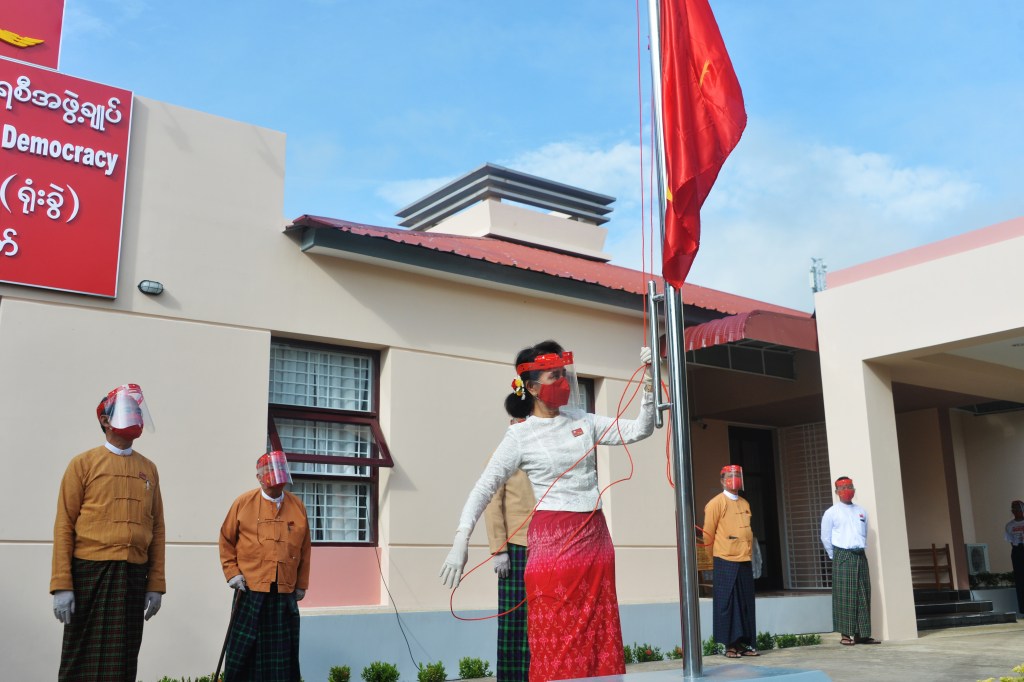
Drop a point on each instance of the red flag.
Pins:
(702, 118)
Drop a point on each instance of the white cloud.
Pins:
(778, 202)
(613, 171)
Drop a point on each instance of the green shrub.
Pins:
(339, 673)
(808, 640)
(645, 653)
(627, 653)
(765, 641)
(472, 668)
(432, 672)
(711, 647)
(378, 671)
(676, 653)
(786, 641)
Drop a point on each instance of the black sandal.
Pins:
(732, 653)
(865, 640)
(847, 641)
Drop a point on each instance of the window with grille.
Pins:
(323, 413)
(806, 494)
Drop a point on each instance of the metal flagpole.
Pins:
(682, 464)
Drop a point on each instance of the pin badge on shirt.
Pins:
(577, 432)
(142, 475)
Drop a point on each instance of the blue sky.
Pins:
(873, 126)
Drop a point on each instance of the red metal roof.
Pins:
(548, 262)
(759, 325)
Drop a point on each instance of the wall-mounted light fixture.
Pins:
(151, 287)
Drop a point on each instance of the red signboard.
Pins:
(30, 31)
(63, 164)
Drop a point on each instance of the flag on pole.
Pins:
(702, 118)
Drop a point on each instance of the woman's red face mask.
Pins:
(555, 394)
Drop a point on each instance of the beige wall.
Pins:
(203, 216)
(993, 446)
(924, 481)
(901, 325)
(210, 416)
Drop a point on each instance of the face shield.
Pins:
(554, 383)
(272, 469)
(732, 478)
(126, 410)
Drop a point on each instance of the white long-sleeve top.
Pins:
(1015, 532)
(844, 526)
(547, 448)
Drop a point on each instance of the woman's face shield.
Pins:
(556, 384)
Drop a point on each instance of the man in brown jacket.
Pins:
(265, 551)
(507, 519)
(108, 547)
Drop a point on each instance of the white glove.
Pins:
(153, 600)
(451, 569)
(502, 564)
(237, 583)
(299, 593)
(645, 358)
(63, 605)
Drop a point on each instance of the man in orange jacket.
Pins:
(108, 546)
(264, 551)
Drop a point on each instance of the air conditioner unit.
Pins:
(977, 559)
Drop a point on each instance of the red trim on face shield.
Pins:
(546, 361)
(272, 469)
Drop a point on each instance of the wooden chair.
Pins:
(931, 568)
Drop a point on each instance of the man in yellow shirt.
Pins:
(108, 547)
(727, 529)
(265, 551)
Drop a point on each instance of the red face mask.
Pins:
(845, 496)
(129, 432)
(555, 394)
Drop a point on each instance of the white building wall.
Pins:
(900, 323)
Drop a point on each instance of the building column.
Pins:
(861, 425)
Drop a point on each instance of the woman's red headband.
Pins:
(546, 361)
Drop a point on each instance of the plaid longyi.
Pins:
(263, 639)
(513, 646)
(733, 602)
(102, 642)
(851, 593)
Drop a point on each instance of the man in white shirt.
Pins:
(844, 532)
(1015, 536)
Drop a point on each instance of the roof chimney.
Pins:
(477, 205)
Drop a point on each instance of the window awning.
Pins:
(764, 328)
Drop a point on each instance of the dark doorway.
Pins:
(754, 450)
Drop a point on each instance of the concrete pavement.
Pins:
(954, 655)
